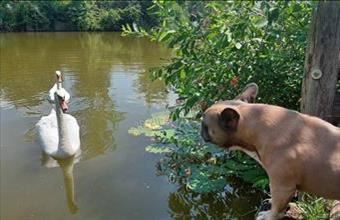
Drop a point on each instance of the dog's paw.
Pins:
(265, 205)
(293, 211)
(264, 211)
(265, 215)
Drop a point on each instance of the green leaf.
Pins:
(238, 45)
(182, 74)
(201, 182)
(165, 35)
(156, 149)
(262, 22)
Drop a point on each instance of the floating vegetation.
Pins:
(201, 167)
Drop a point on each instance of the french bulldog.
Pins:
(298, 151)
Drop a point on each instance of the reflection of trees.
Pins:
(97, 115)
(28, 61)
(239, 203)
(152, 91)
(25, 69)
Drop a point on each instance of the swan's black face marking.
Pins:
(65, 110)
(64, 106)
(61, 97)
(62, 103)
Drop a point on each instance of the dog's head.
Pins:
(220, 121)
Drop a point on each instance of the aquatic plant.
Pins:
(187, 160)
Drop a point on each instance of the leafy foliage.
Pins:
(187, 160)
(76, 15)
(84, 15)
(221, 46)
(20, 14)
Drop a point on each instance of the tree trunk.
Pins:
(322, 69)
(322, 62)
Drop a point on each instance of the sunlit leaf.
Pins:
(156, 149)
(201, 183)
(238, 45)
(262, 22)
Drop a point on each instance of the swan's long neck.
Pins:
(59, 85)
(64, 139)
(59, 80)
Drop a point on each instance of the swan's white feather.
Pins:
(47, 129)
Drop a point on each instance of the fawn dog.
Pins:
(298, 152)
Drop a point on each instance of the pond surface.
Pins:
(110, 92)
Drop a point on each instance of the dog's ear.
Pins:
(229, 119)
(249, 93)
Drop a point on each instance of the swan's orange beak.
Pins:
(64, 106)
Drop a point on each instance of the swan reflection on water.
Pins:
(66, 166)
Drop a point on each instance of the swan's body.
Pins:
(58, 132)
(48, 135)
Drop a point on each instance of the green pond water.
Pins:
(114, 178)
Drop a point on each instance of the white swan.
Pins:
(57, 85)
(58, 132)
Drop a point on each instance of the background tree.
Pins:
(322, 70)
(74, 15)
(322, 63)
(221, 46)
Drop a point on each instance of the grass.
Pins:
(314, 208)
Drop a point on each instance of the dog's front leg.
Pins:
(281, 195)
